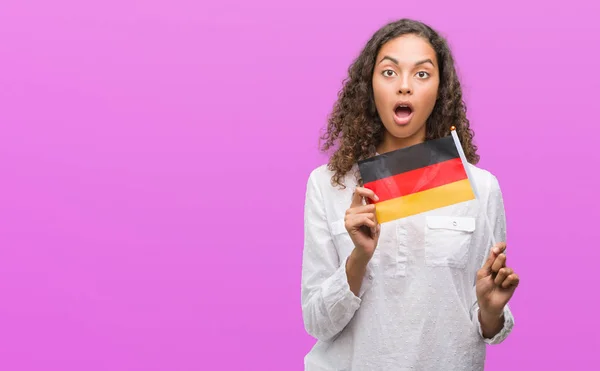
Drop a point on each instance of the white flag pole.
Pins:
(463, 158)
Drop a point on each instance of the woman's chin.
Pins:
(405, 135)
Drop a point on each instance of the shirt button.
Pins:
(454, 223)
(370, 276)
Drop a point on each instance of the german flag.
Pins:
(417, 179)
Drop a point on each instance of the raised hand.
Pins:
(496, 283)
(361, 223)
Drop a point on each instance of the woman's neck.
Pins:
(391, 143)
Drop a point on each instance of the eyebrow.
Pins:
(395, 61)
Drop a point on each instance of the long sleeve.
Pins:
(327, 302)
(497, 217)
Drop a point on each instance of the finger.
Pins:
(375, 231)
(371, 216)
(503, 273)
(487, 266)
(499, 262)
(498, 248)
(371, 224)
(360, 193)
(358, 220)
(511, 281)
(494, 251)
(361, 209)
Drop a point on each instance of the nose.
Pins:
(404, 90)
(405, 87)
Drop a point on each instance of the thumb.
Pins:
(496, 250)
(487, 266)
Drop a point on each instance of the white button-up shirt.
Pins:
(417, 308)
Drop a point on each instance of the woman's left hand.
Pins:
(496, 282)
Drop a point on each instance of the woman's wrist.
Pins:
(356, 267)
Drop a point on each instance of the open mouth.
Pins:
(403, 112)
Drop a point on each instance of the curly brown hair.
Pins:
(354, 126)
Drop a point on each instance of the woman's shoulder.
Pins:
(485, 181)
(321, 178)
(320, 172)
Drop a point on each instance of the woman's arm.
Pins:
(493, 326)
(328, 303)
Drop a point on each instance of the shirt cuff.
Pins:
(509, 323)
(338, 292)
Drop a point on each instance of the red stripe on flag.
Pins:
(418, 180)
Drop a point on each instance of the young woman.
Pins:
(426, 292)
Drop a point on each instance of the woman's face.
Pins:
(405, 86)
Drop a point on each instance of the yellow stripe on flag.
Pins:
(415, 203)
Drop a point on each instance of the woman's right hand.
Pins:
(361, 223)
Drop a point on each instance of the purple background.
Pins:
(154, 156)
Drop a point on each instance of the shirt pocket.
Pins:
(447, 240)
(344, 244)
(341, 239)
